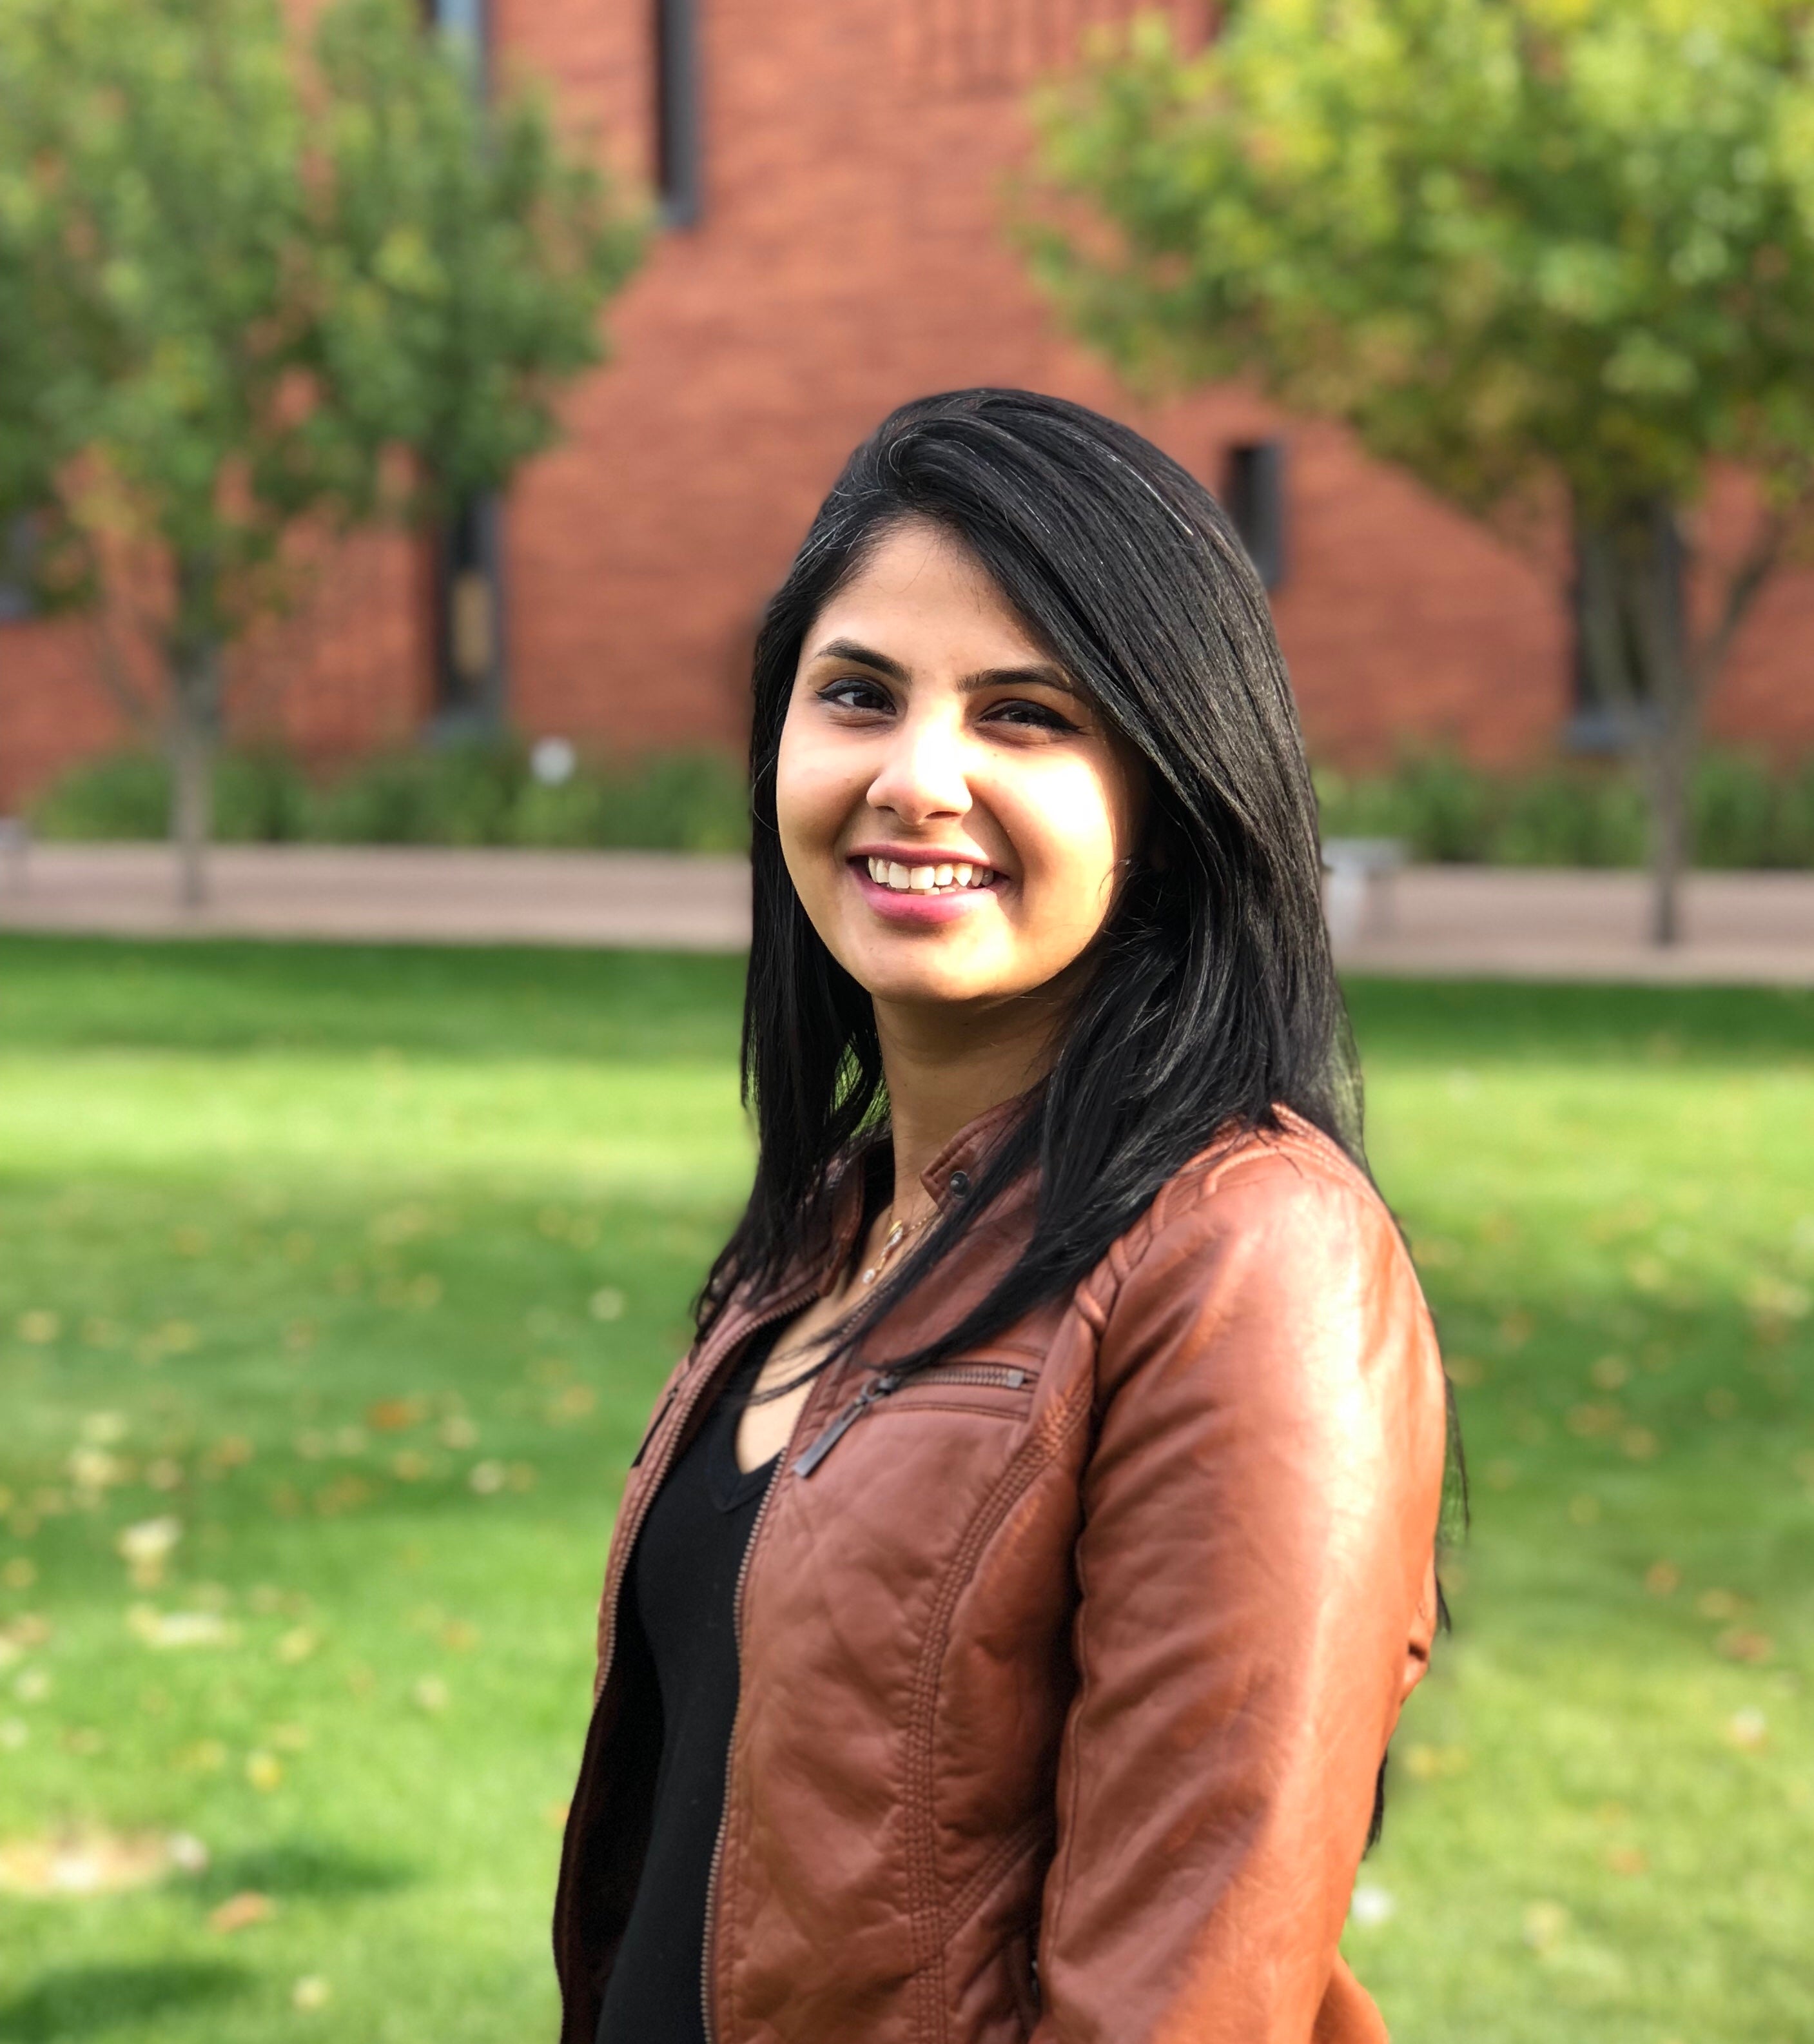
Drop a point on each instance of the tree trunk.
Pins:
(1671, 771)
(194, 734)
(1634, 636)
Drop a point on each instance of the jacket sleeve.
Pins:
(1255, 1573)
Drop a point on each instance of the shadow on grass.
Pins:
(297, 1867)
(79, 2001)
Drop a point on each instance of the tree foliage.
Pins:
(275, 290)
(1513, 244)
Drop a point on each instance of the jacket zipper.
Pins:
(736, 1651)
(654, 1426)
(891, 1380)
(1004, 1375)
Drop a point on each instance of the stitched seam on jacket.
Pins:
(988, 1876)
(1036, 1454)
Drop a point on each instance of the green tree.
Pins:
(1542, 253)
(289, 289)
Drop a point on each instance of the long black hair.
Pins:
(1213, 1000)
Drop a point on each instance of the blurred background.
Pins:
(405, 413)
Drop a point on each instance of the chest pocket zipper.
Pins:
(1004, 1377)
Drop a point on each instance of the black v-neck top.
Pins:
(681, 1597)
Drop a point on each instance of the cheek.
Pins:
(1071, 837)
(816, 785)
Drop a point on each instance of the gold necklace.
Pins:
(892, 1241)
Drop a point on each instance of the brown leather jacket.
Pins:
(1068, 1670)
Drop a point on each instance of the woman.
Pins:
(1020, 1580)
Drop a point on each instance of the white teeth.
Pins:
(927, 879)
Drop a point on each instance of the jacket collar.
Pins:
(947, 1179)
(955, 1169)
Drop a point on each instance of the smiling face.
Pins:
(954, 814)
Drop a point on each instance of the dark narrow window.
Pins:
(463, 18)
(16, 569)
(469, 664)
(1255, 500)
(677, 179)
(468, 637)
(1607, 675)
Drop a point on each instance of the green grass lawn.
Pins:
(357, 1269)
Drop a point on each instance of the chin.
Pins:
(925, 981)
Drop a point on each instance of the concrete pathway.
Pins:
(1440, 921)
(389, 894)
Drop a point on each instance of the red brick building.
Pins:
(833, 173)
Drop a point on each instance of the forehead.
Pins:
(921, 597)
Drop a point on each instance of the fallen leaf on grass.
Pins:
(392, 1416)
(1371, 1906)
(1546, 1924)
(430, 1694)
(146, 1547)
(606, 1303)
(1432, 1763)
(1628, 1860)
(311, 1992)
(94, 1861)
(1738, 1643)
(1663, 1579)
(170, 1629)
(345, 1493)
(296, 1645)
(240, 1913)
(264, 1771)
(1747, 1730)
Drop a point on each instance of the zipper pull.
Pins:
(810, 1458)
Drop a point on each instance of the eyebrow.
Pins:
(866, 656)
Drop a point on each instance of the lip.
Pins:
(917, 911)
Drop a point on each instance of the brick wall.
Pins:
(851, 254)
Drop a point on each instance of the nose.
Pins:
(922, 776)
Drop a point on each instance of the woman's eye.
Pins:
(854, 692)
(1035, 716)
